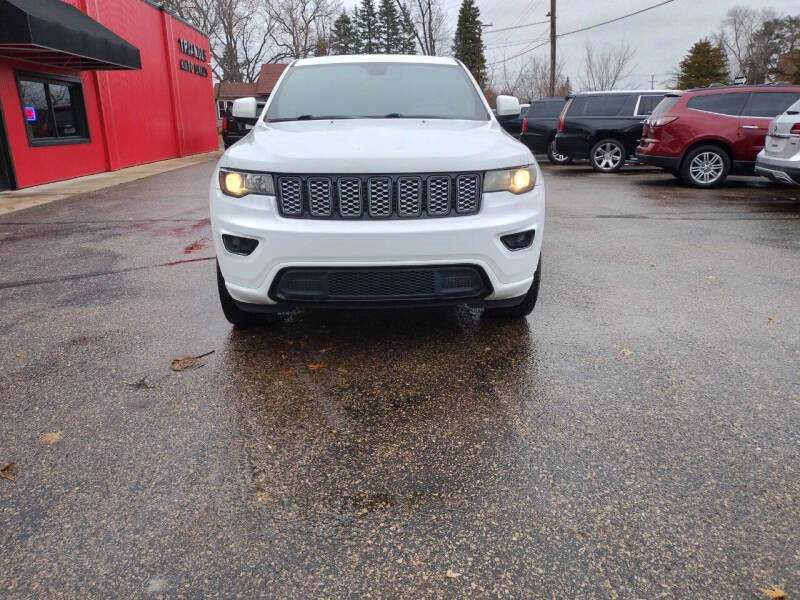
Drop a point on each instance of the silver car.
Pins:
(780, 158)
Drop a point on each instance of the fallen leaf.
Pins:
(452, 574)
(287, 373)
(51, 437)
(324, 350)
(343, 371)
(625, 352)
(773, 592)
(189, 362)
(317, 366)
(9, 471)
(770, 320)
(261, 496)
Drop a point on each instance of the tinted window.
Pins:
(769, 104)
(666, 104)
(52, 109)
(724, 104)
(607, 105)
(545, 109)
(33, 95)
(647, 104)
(376, 90)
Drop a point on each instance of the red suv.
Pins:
(703, 135)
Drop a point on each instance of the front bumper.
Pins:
(464, 240)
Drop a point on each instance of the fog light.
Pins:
(239, 245)
(518, 241)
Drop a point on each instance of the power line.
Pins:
(617, 19)
(516, 27)
(527, 50)
(538, 38)
(520, 54)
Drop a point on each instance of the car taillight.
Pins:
(224, 123)
(562, 117)
(661, 121)
(524, 125)
(795, 130)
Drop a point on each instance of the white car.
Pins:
(377, 181)
(780, 158)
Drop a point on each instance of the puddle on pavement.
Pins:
(409, 408)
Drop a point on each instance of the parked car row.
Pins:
(700, 136)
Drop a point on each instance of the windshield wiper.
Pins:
(309, 118)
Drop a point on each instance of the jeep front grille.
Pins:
(378, 196)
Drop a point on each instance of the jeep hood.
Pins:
(376, 146)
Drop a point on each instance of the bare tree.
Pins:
(238, 33)
(606, 67)
(428, 20)
(738, 36)
(301, 27)
(531, 80)
(240, 43)
(200, 13)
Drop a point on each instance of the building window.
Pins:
(53, 110)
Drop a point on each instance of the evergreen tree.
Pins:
(408, 38)
(368, 28)
(344, 35)
(467, 44)
(390, 40)
(357, 45)
(705, 64)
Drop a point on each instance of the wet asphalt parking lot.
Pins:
(637, 437)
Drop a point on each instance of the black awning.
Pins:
(56, 34)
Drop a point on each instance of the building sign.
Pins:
(190, 49)
(30, 114)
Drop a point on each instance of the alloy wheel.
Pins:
(607, 156)
(706, 167)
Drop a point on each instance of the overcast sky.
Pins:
(660, 37)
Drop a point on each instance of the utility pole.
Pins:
(552, 47)
(652, 82)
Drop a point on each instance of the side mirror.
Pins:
(245, 108)
(508, 108)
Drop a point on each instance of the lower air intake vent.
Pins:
(380, 284)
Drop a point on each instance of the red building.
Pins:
(96, 85)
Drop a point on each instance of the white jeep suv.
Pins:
(375, 181)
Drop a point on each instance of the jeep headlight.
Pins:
(516, 181)
(238, 183)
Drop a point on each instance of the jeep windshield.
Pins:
(376, 90)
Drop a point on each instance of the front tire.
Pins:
(554, 157)
(241, 319)
(607, 156)
(522, 310)
(706, 167)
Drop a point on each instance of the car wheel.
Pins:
(555, 158)
(706, 167)
(607, 156)
(523, 309)
(241, 319)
